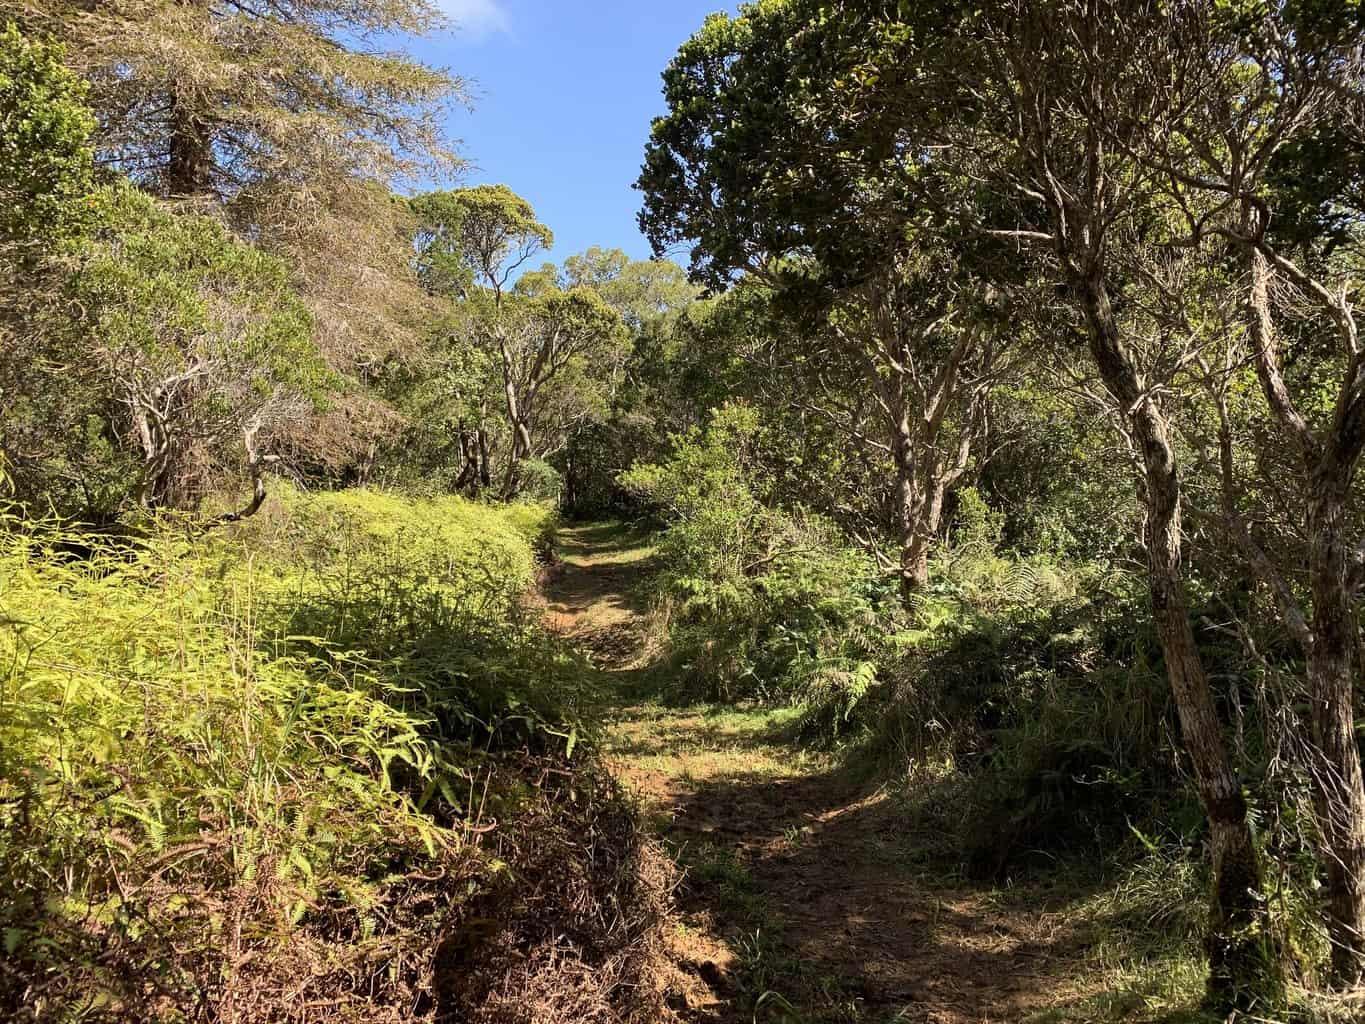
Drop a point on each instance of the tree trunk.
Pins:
(1331, 639)
(914, 560)
(516, 417)
(1340, 789)
(468, 480)
(1240, 961)
(920, 489)
(485, 462)
(189, 168)
(919, 515)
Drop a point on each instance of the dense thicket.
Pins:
(284, 771)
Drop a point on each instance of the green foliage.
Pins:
(759, 602)
(167, 348)
(979, 527)
(263, 752)
(735, 90)
(177, 294)
(46, 159)
(1030, 678)
(540, 481)
(482, 235)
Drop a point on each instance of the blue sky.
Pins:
(565, 90)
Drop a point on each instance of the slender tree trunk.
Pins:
(1340, 789)
(485, 461)
(914, 566)
(189, 168)
(516, 417)
(921, 486)
(914, 558)
(1240, 962)
(919, 515)
(468, 480)
(1331, 639)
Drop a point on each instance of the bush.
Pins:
(759, 603)
(270, 772)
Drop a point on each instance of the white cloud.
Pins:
(476, 19)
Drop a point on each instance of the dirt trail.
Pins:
(805, 898)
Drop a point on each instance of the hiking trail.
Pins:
(805, 897)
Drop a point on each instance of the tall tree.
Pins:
(1082, 194)
(741, 172)
(208, 98)
(471, 243)
(475, 241)
(1237, 154)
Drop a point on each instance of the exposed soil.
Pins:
(806, 897)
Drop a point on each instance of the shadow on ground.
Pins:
(815, 885)
(807, 897)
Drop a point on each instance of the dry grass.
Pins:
(574, 929)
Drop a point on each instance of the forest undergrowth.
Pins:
(328, 766)
(851, 880)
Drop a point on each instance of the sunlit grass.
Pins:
(252, 748)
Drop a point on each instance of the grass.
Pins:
(612, 542)
(708, 741)
(1129, 950)
(265, 772)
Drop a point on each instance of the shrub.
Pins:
(268, 773)
(759, 602)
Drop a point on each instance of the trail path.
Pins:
(805, 899)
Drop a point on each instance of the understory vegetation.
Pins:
(1018, 707)
(283, 771)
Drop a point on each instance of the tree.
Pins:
(198, 339)
(616, 424)
(476, 238)
(1082, 194)
(470, 245)
(924, 347)
(205, 98)
(475, 241)
(648, 295)
(1268, 85)
(743, 171)
(644, 292)
(542, 339)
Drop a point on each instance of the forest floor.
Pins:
(805, 897)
